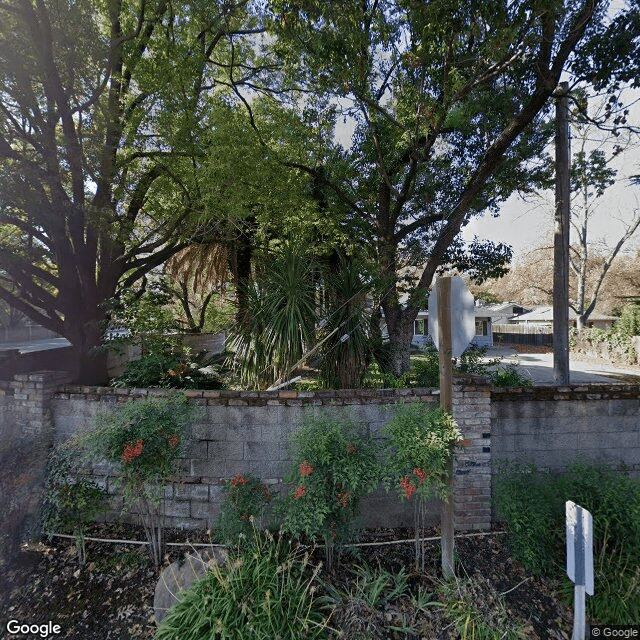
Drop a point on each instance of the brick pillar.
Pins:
(32, 394)
(472, 462)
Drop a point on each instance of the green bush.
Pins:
(420, 439)
(169, 368)
(629, 322)
(333, 466)
(244, 504)
(267, 589)
(426, 368)
(509, 376)
(533, 505)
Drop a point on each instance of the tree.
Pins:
(591, 174)
(449, 104)
(590, 261)
(103, 108)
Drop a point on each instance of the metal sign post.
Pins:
(579, 562)
(450, 307)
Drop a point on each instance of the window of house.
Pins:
(482, 328)
(420, 327)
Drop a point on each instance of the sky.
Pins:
(526, 225)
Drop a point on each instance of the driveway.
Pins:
(539, 367)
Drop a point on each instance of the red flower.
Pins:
(132, 451)
(174, 441)
(300, 491)
(420, 473)
(305, 469)
(407, 486)
(351, 448)
(239, 479)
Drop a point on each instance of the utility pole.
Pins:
(561, 239)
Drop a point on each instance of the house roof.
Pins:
(545, 314)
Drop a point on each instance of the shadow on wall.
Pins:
(13, 362)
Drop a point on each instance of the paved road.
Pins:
(29, 346)
(539, 367)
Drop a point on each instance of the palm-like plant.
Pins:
(346, 353)
(279, 325)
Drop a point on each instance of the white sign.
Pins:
(463, 317)
(579, 546)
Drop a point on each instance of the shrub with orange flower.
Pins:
(305, 469)
(334, 464)
(238, 480)
(146, 438)
(132, 451)
(420, 473)
(408, 487)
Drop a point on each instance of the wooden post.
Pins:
(561, 240)
(446, 391)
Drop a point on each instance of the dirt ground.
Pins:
(111, 598)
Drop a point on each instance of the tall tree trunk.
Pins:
(400, 329)
(241, 269)
(85, 335)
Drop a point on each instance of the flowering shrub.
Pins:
(419, 445)
(243, 508)
(334, 466)
(145, 439)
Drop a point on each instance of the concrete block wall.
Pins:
(247, 432)
(6, 415)
(554, 426)
(26, 436)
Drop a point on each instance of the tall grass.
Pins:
(267, 589)
(532, 504)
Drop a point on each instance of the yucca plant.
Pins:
(346, 354)
(280, 320)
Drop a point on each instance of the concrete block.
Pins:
(597, 407)
(225, 449)
(262, 451)
(195, 492)
(197, 450)
(546, 441)
(611, 440)
(240, 432)
(502, 443)
(207, 511)
(177, 509)
(624, 407)
(259, 468)
(208, 468)
(571, 408)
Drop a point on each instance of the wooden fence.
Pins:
(541, 335)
